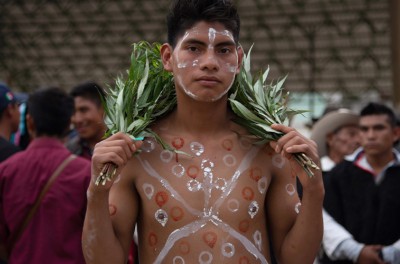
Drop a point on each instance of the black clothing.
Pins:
(7, 149)
(370, 211)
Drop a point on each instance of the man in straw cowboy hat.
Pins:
(336, 135)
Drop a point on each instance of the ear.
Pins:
(330, 138)
(166, 56)
(30, 125)
(240, 58)
(8, 111)
(397, 133)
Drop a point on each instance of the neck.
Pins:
(379, 161)
(336, 157)
(5, 131)
(202, 119)
(93, 141)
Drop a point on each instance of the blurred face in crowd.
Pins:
(344, 141)
(88, 119)
(377, 135)
(11, 113)
(15, 116)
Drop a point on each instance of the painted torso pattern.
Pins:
(207, 206)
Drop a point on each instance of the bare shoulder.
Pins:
(123, 201)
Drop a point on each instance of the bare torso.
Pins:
(208, 207)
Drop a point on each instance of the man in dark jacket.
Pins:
(362, 192)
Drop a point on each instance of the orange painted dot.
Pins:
(112, 209)
(244, 226)
(244, 260)
(184, 247)
(178, 142)
(227, 144)
(161, 198)
(255, 174)
(210, 238)
(176, 213)
(152, 239)
(248, 193)
(192, 171)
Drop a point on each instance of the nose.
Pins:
(370, 133)
(76, 118)
(209, 61)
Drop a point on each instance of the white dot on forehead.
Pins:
(211, 35)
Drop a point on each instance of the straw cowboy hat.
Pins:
(328, 124)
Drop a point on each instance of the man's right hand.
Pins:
(116, 150)
(370, 255)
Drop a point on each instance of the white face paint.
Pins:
(213, 56)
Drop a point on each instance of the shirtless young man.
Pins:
(225, 202)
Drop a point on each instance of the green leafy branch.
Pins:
(259, 105)
(136, 101)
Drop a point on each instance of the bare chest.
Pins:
(214, 191)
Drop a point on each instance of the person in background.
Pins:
(89, 126)
(336, 135)
(397, 143)
(88, 119)
(21, 137)
(9, 121)
(362, 193)
(43, 188)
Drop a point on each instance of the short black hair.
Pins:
(374, 108)
(183, 14)
(51, 110)
(89, 90)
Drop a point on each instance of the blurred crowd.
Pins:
(48, 132)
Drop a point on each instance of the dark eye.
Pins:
(193, 49)
(224, 50)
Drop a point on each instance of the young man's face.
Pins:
(204, 61)
(88, 118)
(376, 134)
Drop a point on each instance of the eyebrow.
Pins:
(375, 126)
(202, 43)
